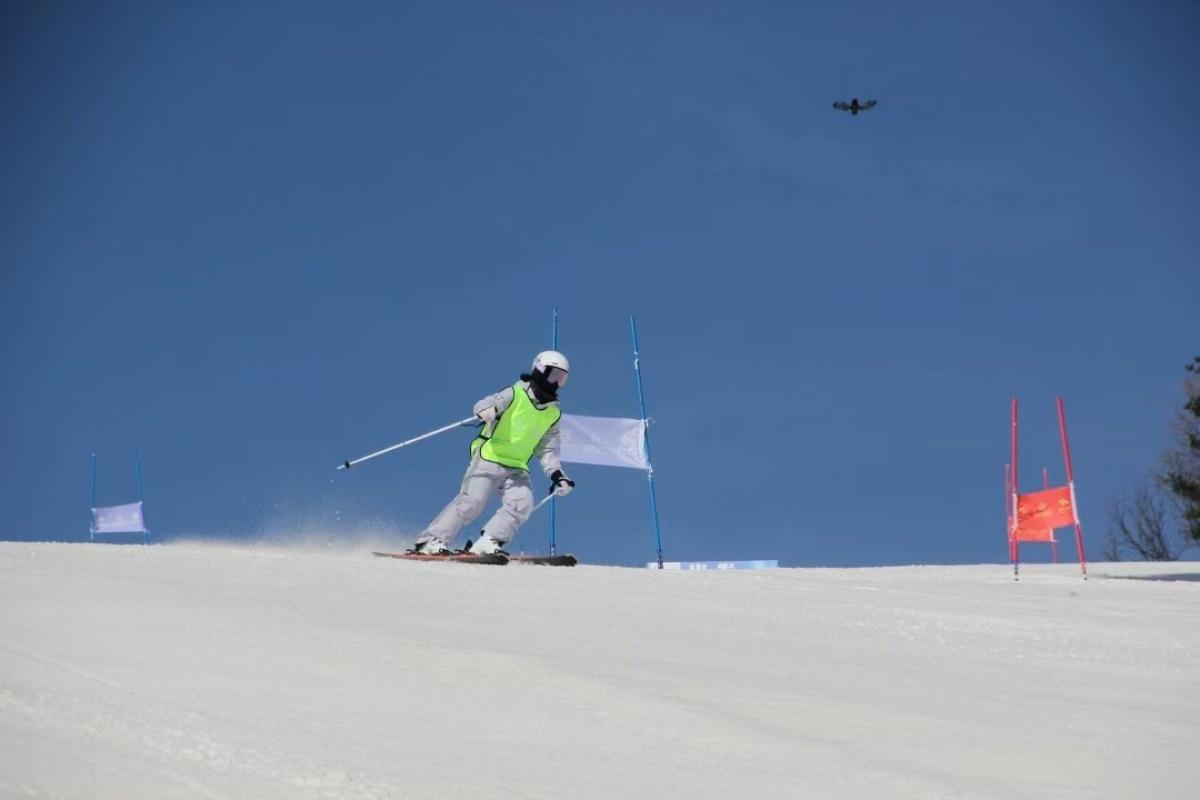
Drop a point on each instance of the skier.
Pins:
(519, 423)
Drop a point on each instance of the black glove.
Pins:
(561, 484)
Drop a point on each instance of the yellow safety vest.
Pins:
(517, 434)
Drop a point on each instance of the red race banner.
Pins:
(1041, 512)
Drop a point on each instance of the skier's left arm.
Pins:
(547, 455)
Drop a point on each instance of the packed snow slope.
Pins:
(215, 671)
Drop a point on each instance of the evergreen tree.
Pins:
(1161, 519)
(1181, 473)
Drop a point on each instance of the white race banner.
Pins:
(119, 519)
(605, 441)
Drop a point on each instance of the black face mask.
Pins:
(543, 390)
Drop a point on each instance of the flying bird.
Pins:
(854, 106)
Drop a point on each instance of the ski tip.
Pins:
(545, 560)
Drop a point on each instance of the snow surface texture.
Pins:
(216, 671)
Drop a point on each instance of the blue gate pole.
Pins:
(637, 369)
(137, 465)
(554, 500)
(92, 533)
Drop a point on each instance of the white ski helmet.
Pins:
(553, 366)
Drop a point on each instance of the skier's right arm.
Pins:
(491, 407)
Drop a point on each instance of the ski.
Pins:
(545, 560)
(461, 558)
(494, 558)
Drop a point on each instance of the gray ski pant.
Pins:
(482, 481)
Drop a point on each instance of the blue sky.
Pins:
(253, 240)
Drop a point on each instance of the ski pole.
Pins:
(543, 502)
(450, 427)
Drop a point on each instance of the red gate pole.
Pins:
(1008, 508)
(1015, 483)
(1066, 443)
